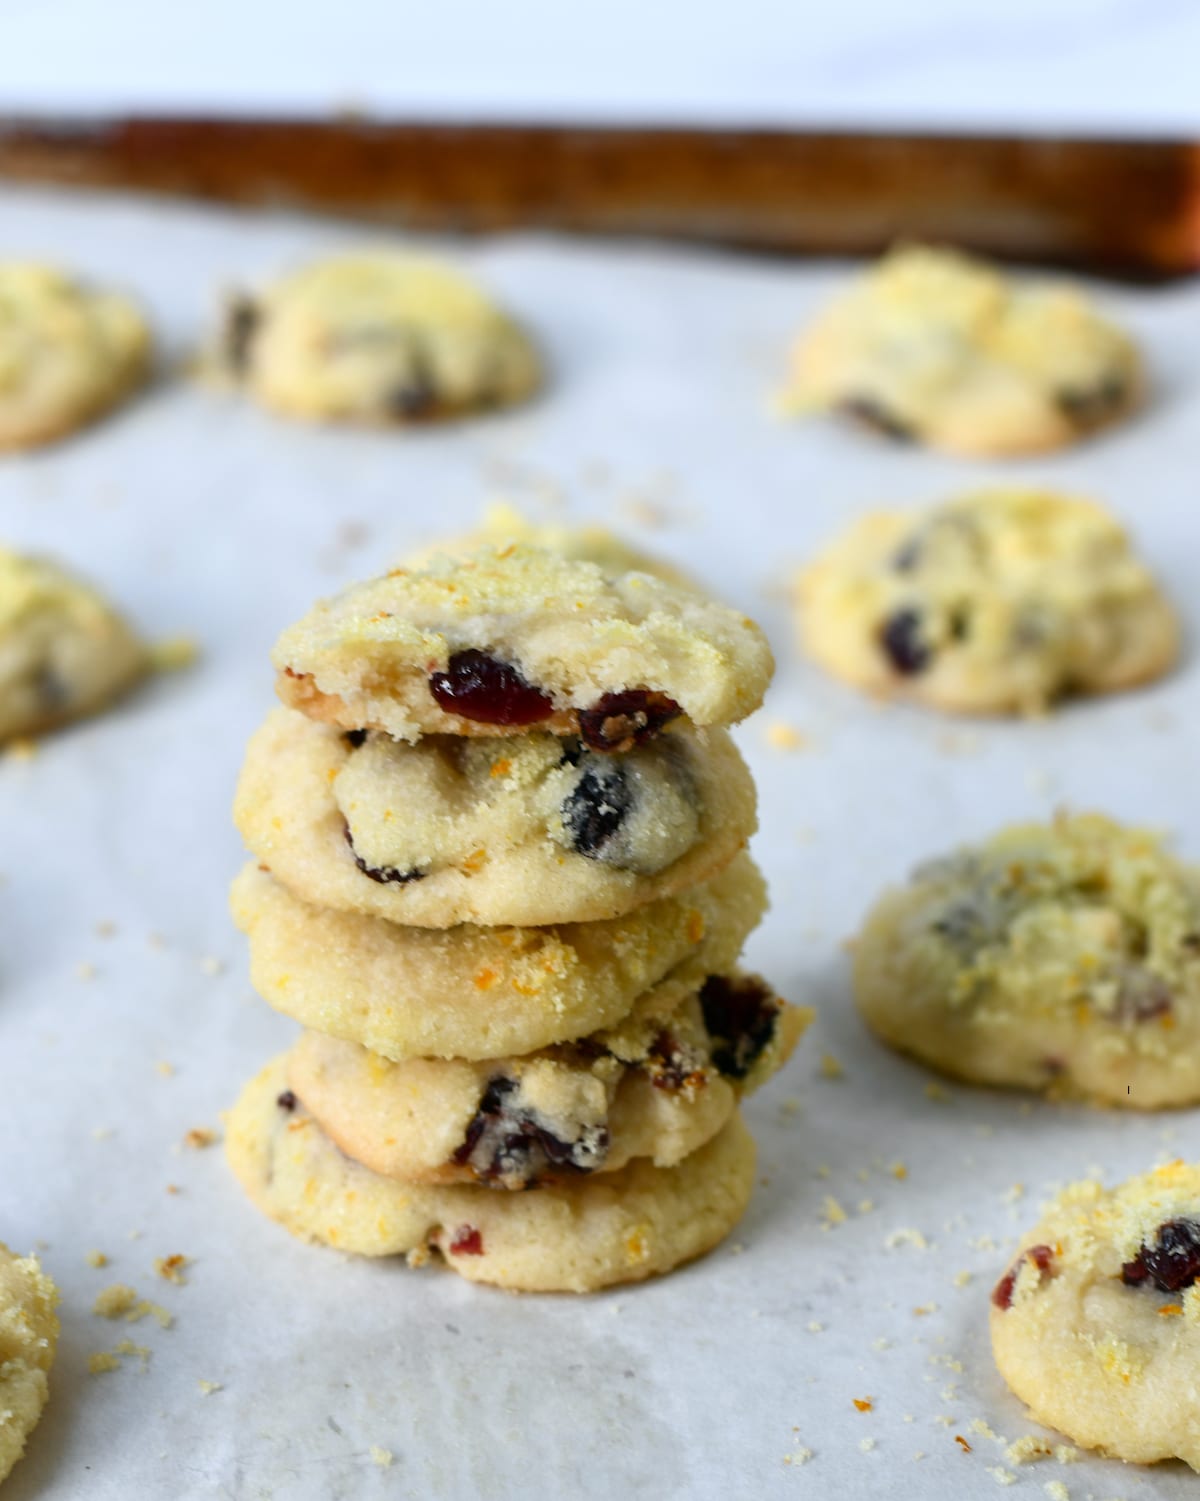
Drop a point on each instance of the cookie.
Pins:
(658, 1086)
(454, 829)
(517, 637)
(934, 347)
(68, 353)
(474, 992)
(64, 651)
(386, 339)
(1061, 957)
(1096, 1323)
(996, 603)
(502, 525)
(28, 1337)
(574, 1237)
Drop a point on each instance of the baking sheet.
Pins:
(205, 516)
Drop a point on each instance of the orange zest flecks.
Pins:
(962, 1443)
(864, 1404)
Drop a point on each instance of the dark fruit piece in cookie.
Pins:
(384, 874)
(596, 807)
(672, 1066)
(619, 721)
(241, 324)
(1142, 995)
(504, 1143)
(1088, 405)
(901, 638)
(869, 413)
(286, 1101)
(1172, 1263)
(1002, 1293)
(417, 395)
(740, 1014)
(479, 687)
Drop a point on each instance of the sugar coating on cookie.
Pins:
(574, 1237)
(515, 637)
(68, 352)
(1096, 1322)
(999, 602)
(657, 1086)
(484, 992)
(526, 831)
(376, 338)
(1062, 957)
(28, 1338)
(935, 347)
(64, 651)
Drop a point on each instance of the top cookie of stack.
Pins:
(623, 786)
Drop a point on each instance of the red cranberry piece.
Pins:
(1002, 1293)
(672, 1066)
(467, 1241)
(619, 721)
(901, 639)
(740, 1014)
(479, 687)
(1173, 1263)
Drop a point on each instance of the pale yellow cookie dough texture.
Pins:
(1000, 602)
(64, 651)
(375, 338)
(1062, 958)
(932, 346)
(500, 876)
(28, 1337)
(68, 353)
(1096, 1322)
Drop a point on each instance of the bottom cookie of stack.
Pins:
(576, 1236)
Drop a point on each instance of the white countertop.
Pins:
(1092, 66)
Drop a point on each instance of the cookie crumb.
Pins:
(165, 1069)
(105, 928)
(115, 1301)
(85, 971)
(961, 1279)
(783, 737)
(381, 1457)
(1057, 1491)
(832, 1212)
(200, 1137)
(798, 1457)
(96, 1258)
(814, 1327)
(170, 1268)
(211, 965)
(899, 1171)
(174, 653)
(866, 1444)
(905, 1236)
(207, 1388)
(831, 1068)
(100, 1361)
(101, 1133)
(864, 1404)
(1000, 1475)
(924, 1308)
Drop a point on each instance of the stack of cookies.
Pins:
(500, 876)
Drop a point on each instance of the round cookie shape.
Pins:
(999, 602)
(64, 651)
(515, 637)
(599, 852)
(935, 347)
(28, 1338)
(484, 992)
(1096, 1323)
(384, 339)
(658, 1087)
(574, 1237)
(1063, 958)
(68, 353)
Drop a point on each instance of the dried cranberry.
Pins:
(872, 414)
(286, 1101)
(619, 721)
(354, 738)
(901, 639)
(479, 687)
(740, 1014)
(596, 807)
(1173, 1263)
(467, 1241)
(384, 874)
(1002, 1293)
(417, 395)
(1087, 405)
(505, 1144)
(672, 1066)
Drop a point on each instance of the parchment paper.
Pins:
(205, 516)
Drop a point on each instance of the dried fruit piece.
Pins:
(1002, 1293)
(901, 638)
(384, 874)
(740, 1014)
(596, 807)
(1172, 1263)
(467, 1241)
(869, 413)
(482, 688)
(619, 721)
(507, 1144)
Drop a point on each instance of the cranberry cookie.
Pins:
(996, 603)
(388, 339)
(1061, 957)
(1096, 1322)
(515, 638)
(475, 992)
(658, 1086)
(576, 1236)
(64, 651)
(456, 829)
(28, 1337)
(934, 347)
